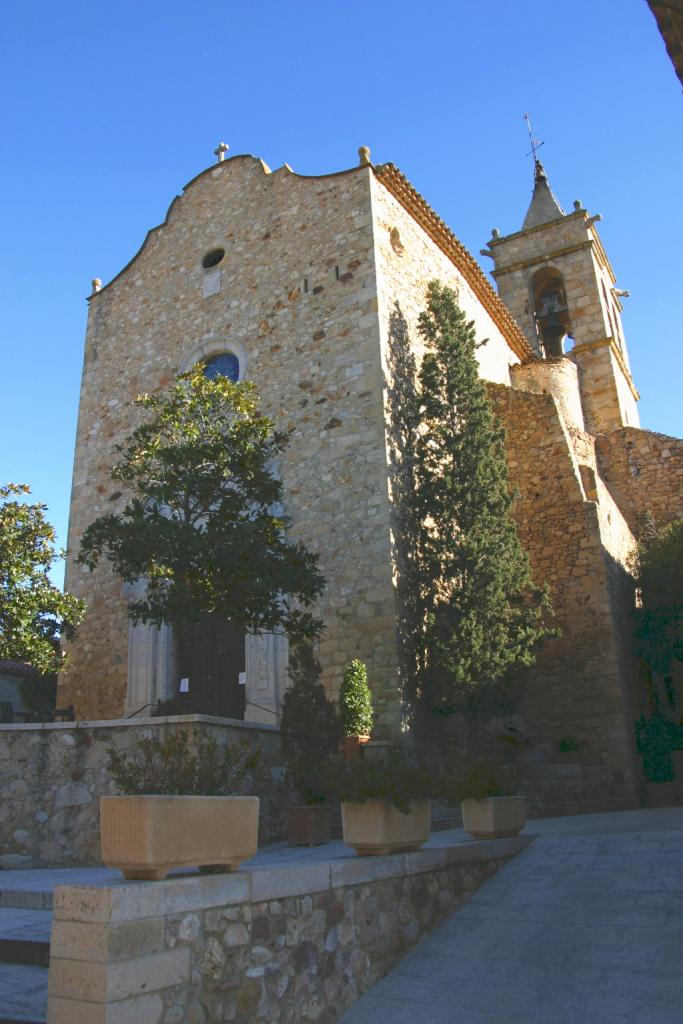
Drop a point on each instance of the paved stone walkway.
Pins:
(583, 927)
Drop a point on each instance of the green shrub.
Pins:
(355, 701)
(655, 739)
(475, 782)
(394, 777)
(171, 767)
(568, 743)
(309, 728)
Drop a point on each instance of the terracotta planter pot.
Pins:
(376, 826)
(146, 836)
(494, 817)
(308, 825)
(351, 747)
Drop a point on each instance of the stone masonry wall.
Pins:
(407, 260)
(297, 302)
(608, 400)
(644, 471)
(582, 683)
(280, 946)
(52, 776)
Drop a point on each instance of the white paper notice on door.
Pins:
(185, 685)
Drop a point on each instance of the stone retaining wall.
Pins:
(583, 683)
(644, 472)
(280, 945)
(52, 775)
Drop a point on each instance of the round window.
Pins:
(213, 258)
(224, 365)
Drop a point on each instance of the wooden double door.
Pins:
(211, 658)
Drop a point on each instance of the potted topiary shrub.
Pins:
(309, 731)
(487, 812)
(176, 811)
(385, 803)
(355, 709)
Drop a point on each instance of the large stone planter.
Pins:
(377, 827)
(494, 817)
(146, 836)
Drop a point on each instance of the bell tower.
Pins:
(555, 278)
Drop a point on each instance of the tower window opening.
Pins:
(225, 364)
(213, 258)
(608, 307)
(550, 311)
(618, 328)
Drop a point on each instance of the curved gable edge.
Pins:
(285, 169)
(176, 199)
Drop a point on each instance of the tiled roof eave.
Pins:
(417, 206)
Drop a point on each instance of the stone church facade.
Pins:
(314, 286)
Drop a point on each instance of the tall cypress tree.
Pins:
(480, 615)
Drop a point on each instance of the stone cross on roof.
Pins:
(221, 151)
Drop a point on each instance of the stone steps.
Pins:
(24, 957)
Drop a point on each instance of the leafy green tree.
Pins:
(309, 726)
(355, 701)
(34, 614)
(480, 615)
(201, 527)
(658, 570)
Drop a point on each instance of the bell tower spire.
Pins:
(544, 205)
(558, 283)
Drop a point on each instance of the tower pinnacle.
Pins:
(544, 205)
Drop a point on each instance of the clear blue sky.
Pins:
(110, 108)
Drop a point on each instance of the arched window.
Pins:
(225, 364)
(550, 310)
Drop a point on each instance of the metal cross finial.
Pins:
(535, 143)
(221, 151)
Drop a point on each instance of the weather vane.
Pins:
(535, 143)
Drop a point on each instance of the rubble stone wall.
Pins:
(582, 683)
(52, 776)
(280, 945)
(644, 471)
